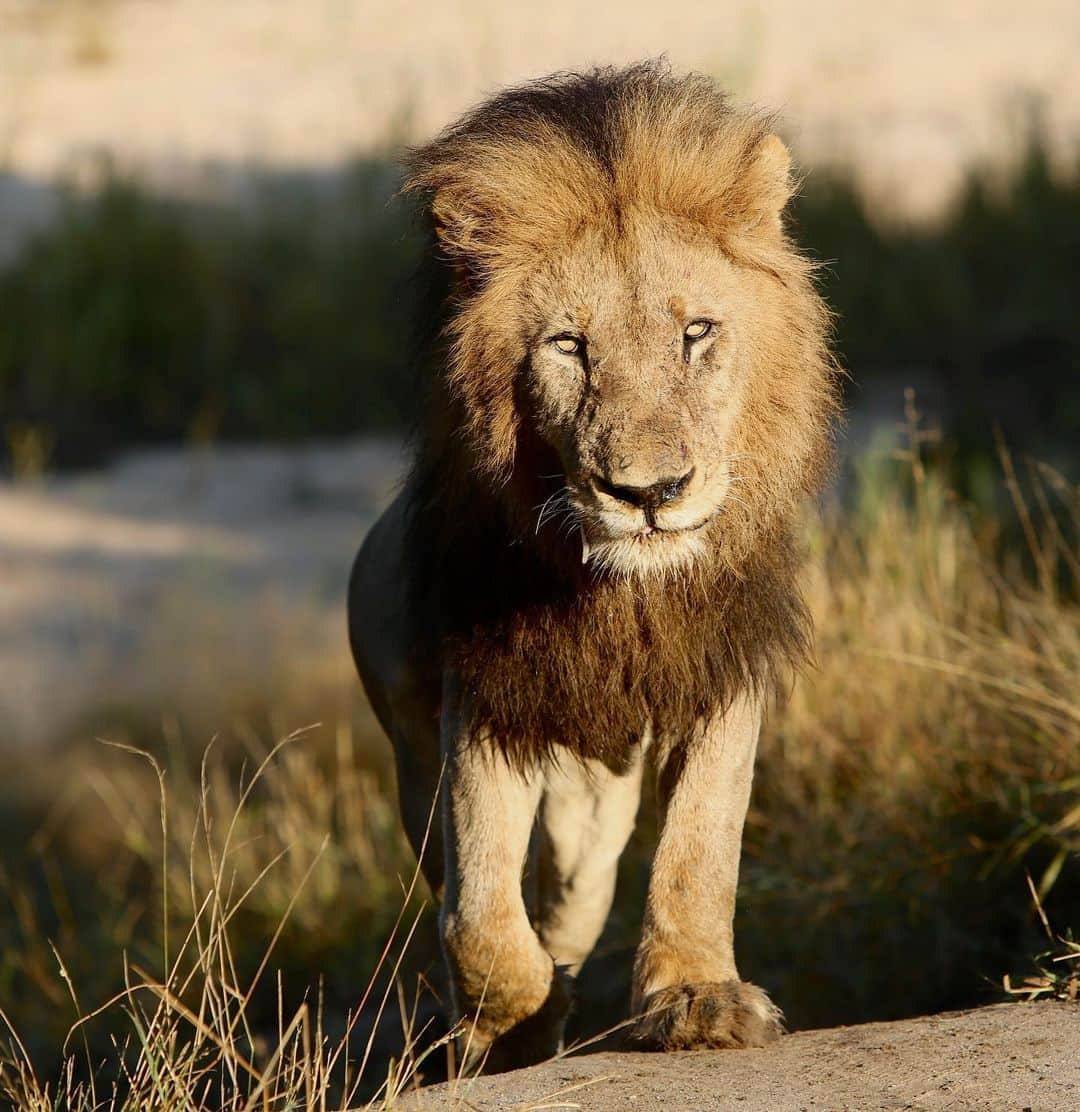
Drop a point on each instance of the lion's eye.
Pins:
(698, 329)
(569, 345)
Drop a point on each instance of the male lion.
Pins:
(591, 567)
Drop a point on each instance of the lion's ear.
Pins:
(454, 224)
(769, 183)
(439, 184)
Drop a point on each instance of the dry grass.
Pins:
(940, 664)
(1057, 968)
(193, 1038)
(906, 789)
(931, 759)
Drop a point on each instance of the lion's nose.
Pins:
(648, 498)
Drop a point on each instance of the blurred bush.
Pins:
(134, 319)
(984, 302)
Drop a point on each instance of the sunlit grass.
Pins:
(187, 1035)
(933, 756)
(221, 925)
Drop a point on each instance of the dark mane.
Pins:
(553, 655)
(589, 107)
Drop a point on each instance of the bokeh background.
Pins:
(205, 319)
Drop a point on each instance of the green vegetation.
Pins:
(134, 319)
(984, 302)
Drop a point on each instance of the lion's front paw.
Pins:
(728, 1014)
(488, 1043)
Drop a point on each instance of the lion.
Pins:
(591, 570)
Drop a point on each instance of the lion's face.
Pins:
(634, 378)
(624, 292)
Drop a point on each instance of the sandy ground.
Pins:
(1006, 1057)
(909, 93)
(179, 579)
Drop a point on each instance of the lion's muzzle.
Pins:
(648, 498)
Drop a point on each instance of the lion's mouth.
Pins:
(651, 529)
(651, 532)
(646, 536)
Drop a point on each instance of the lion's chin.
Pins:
(652, 555)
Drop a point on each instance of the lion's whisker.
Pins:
(551, 506)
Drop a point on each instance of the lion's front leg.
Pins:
(687, 991)
(504, 984)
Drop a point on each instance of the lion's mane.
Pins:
(550, 652)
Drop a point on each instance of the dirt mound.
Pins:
(1009, 1056)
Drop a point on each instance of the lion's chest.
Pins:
(592, 673)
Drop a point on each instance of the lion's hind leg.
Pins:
(587, 813)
